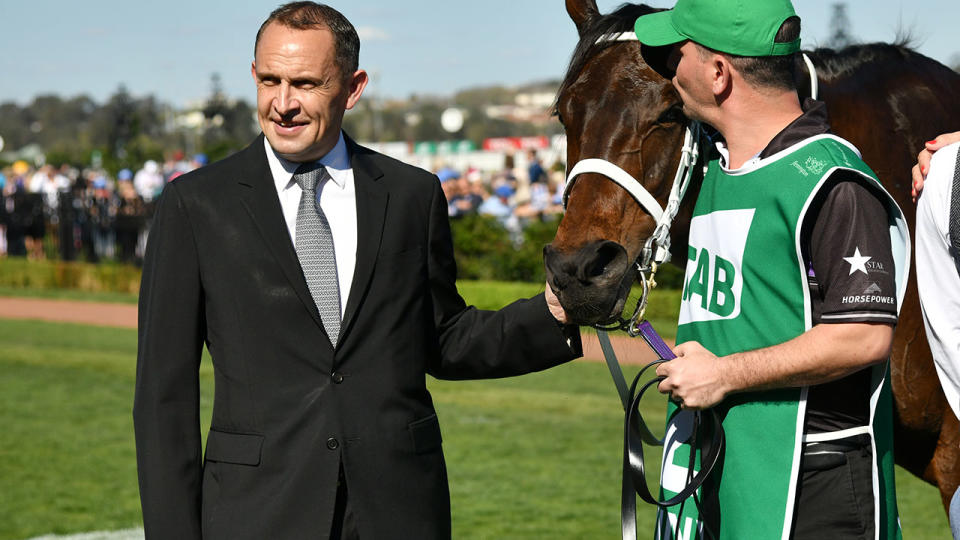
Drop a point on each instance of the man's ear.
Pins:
(720, 78)
(357, 82)
(253, 70)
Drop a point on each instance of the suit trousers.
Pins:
(344, 518)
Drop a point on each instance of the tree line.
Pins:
(126, 130)
(123, 132)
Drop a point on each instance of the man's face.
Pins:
(691, 79)
(301, 93)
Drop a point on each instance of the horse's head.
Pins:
(614, 107)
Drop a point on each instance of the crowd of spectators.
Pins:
(87, 214)
(511, 198)
(92, 215)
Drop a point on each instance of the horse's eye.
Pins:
(556, 112)
(673, 115)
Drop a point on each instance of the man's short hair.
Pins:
(310, 16)
(777, 72)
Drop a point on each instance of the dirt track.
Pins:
(96, 313)
(629, 351)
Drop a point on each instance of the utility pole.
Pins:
(839, 24)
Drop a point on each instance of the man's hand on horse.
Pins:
(922, 167)
(553, 304)
(693, 378)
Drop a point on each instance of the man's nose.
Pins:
(286, 100)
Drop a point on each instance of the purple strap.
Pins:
(655, 341)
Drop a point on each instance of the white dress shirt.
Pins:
(938, 274)
(338, 199)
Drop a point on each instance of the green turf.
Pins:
(662, 310)
(69, 294)
(531, 457)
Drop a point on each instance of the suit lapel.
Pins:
(258, 194)
(371, 211)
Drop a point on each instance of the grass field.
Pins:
(532, 457)
(69, 294)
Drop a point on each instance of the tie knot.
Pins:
(308, 175)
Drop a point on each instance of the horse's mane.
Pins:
(833, 64)
(621, 20)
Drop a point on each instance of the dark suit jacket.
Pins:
(221, 270)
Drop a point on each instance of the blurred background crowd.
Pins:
(82, 214)
(91, 215)
(511, 197)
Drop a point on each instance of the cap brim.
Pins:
(656, 29)
(658, 58)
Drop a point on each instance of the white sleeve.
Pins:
(938, 274)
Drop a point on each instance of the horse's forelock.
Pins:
(620, 20)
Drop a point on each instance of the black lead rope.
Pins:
(636, 433)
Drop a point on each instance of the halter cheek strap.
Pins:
(657, 248)
(812, 71)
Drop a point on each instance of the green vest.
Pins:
(746, 288)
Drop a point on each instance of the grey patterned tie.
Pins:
(315, 249)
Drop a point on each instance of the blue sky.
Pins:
(171, 48)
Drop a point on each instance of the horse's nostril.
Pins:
(593, 265)
(557, 283)
(606, 254)
(600, 260)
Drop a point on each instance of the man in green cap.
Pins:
(797, 264)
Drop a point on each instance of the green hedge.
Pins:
(484, 249)
(20, 273)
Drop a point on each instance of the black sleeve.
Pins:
(520, 338)
(850, 254)
(166, 415)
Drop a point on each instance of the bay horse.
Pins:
(885, 99)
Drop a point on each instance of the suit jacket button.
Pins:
(337, 377)
(332, 443)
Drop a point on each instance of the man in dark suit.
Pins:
(322, 424)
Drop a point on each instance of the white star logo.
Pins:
(857, 262)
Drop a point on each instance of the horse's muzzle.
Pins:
(592, 282)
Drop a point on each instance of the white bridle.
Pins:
(657, 248)
(656, 251)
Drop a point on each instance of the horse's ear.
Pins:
(582, 12)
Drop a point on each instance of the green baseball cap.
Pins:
(739, 27)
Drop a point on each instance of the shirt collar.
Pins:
(336, 161)
(721, 146)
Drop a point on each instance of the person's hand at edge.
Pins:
(922, 167)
